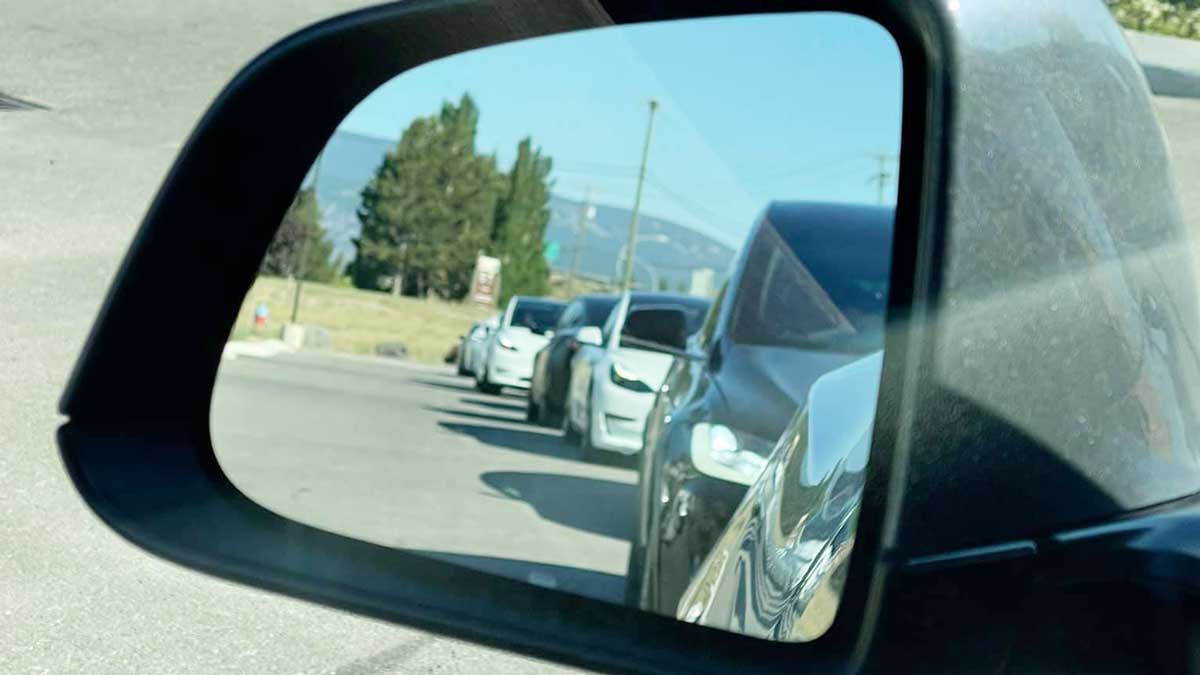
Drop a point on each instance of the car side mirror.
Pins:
(658, 329)
(549, 334)
(589, 335)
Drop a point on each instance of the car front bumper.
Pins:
(618, 417)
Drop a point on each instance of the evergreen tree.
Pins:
(300, 234)
(430, 208)
(520, 227)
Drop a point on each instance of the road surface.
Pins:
(124, 82)
(413, 457)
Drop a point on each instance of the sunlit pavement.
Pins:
(124, 82)
(415, 458)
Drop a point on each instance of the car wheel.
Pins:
(634, 573)
(587, 451)
(570, 434)
(462, 369)
(482, 384)
(547, 417)
(533, 412)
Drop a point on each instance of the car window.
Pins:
(812, 291)
(597, 310)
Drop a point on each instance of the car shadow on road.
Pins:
(596, 505)
(588, 583)
(513, 419)
(496, 404)
(541, 442)
(461, 385)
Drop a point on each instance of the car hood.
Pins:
(524, 339)
(651, 367)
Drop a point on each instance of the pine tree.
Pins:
(300, 234)
(429, 210)
(520, 226)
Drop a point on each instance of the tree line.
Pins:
(434, 204)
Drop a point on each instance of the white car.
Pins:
(509, 350)
(619, 367)
(471, 352)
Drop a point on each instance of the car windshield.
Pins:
(536, 316)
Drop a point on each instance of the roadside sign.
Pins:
(485, 282)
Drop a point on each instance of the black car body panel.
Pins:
(757, 368)
(777, 569)
(552, 365)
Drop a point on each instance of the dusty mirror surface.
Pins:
(600, 311)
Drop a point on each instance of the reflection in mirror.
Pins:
(601, 311)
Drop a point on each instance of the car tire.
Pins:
(547, 418)
(533, 412)
(587, 451)
(570, 434)
(634, 574)
(483, 385)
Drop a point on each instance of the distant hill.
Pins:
(350, 161)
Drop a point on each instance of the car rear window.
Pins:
(814, 292)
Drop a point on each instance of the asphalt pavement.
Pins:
(413, 457)
(123, 82)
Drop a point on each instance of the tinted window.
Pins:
(536, 316)
(596, 310)
(815, 289)
(694, 309)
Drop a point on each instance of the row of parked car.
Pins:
(770, 389)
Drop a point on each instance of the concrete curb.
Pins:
(262, 349)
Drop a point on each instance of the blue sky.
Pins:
(752, 108)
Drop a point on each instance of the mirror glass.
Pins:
(434, 355)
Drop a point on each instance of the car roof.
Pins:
(643, 297)
(830, 222)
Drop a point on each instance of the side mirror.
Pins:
(660, 329)
(549, 334)
(589, 335)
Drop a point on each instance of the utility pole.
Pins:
(585, 214)
(298, 267)
(883, 176)
(627, 282)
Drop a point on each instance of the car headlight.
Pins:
(505, 343)
(721, 452)
(623, 377)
